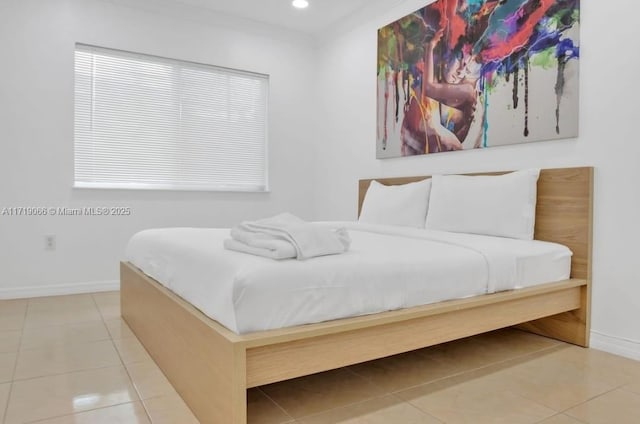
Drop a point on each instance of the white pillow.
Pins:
(405, 205)
(503, 205)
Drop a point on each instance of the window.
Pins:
(144, 122)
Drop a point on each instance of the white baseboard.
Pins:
(59, 289)
(615, 345)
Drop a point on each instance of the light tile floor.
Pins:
(71, 359)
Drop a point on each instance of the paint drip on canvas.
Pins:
(464, 74)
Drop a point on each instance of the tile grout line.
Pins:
(80, 295)
(371, 381)
(95, 302)
(68, 372)
(460, 373)
(562, 414)
(564, 411)
(176, 394)
(521, 355)
(513, 359)
(620, 387)
(295, 420)
(122, 365)
(624, 388)
(6, 409)
(368, 380)
(104, 321)
(77, 412)
(24, 322)
(61, 344)
(556, 412)
(40, 327)
(324, 411)
(395, 392)
(15, 364)
(386, 394)
(416, 408)
(276, 403)
(58, 374)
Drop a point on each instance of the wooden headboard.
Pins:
(564, 210)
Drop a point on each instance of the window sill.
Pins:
(168, 187)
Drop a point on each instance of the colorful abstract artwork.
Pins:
(465, 74)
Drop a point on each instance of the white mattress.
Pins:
(387, 268)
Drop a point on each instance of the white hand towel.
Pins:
(308, 240)
(284, 251)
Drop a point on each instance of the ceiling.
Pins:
(320, 15)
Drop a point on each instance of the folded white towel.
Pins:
(287, 236)
(285, 251)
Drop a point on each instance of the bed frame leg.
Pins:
(570, 327)
(206, 368)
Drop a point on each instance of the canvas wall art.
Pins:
(465, 74)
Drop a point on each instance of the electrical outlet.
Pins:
(50, 242)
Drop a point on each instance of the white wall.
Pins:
(36, 133)
(608, 141)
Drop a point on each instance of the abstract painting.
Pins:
(465, 74)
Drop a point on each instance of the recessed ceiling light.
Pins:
(300, 4)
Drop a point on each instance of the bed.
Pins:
(212, 367)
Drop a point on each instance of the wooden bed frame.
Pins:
(212, 367)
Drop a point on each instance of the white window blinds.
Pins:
(144, 122)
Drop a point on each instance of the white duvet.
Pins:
(387, 268)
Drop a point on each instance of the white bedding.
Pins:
(387, 268)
